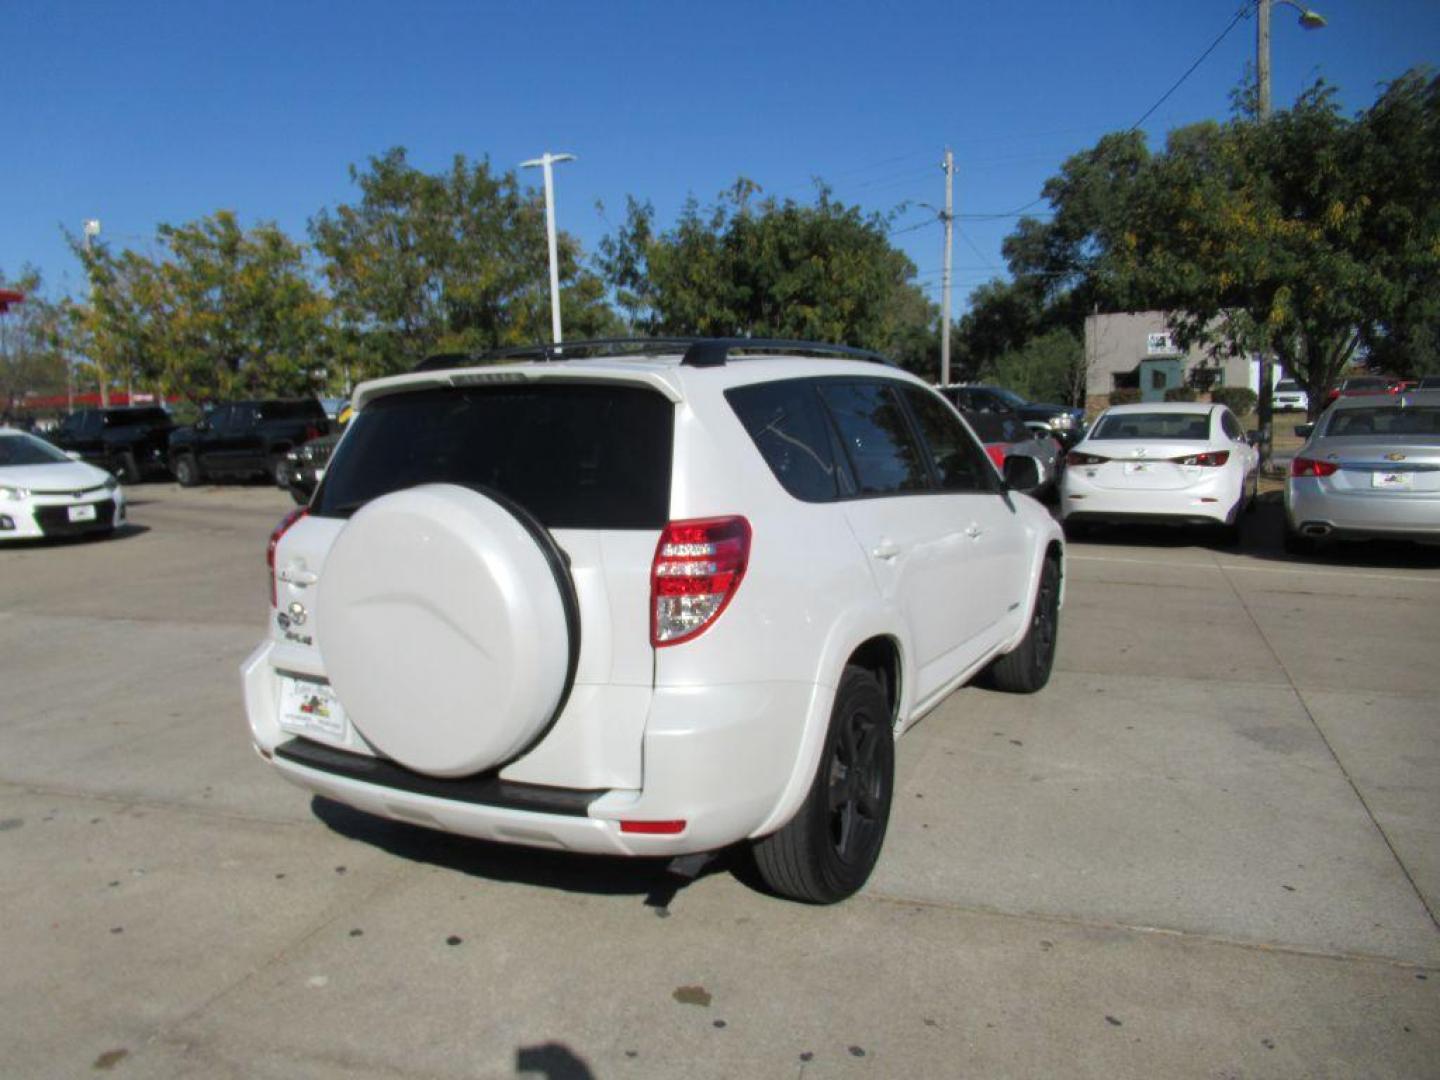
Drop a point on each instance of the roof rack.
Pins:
(713, 352)
(698, 352)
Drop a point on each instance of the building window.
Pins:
(1157, 379)
(1126, 380)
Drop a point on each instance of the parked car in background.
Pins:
(1290, 396)
(245, 438)
(653, 605)
(1005, 435)
(130, 441)
(46, 493)
(1359, 385)
(1066, 423)
(1370, 468)
(305, 465)
(1180, 463)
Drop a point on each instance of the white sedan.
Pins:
(43, 492)
(1180, 463)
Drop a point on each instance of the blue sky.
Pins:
(141, 113)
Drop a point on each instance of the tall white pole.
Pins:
(546, 161)
(949, 216)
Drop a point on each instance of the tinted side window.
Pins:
(575, 455)
(306, 409)
(791, 431)
(876, 437)
(962, 465)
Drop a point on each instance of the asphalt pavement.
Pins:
(1210, 848)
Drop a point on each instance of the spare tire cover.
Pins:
(443, 629)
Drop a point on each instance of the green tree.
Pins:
(1044, 368)
(32, 357)
(224, 312)
(771, 268)
(446, 262)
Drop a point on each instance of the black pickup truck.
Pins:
(129, 441)
(245, 438)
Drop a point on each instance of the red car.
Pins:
(1364, 384)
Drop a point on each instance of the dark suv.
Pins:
(245, 438)
(1065, 423)
(129, 442)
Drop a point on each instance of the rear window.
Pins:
(308, 409)
(1180, 426)
(1396, 421)
(576, 456)
(1285, 386)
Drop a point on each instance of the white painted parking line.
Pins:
(1308, 571)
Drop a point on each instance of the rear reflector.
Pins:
(697, 568)
(1310, 467)
(653, 828)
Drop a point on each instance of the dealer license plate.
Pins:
(311, 708)
(81, 513)
(1404, 480)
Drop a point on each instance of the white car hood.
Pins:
(67, 477)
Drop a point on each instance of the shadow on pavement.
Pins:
(122, 532)
(598, 875)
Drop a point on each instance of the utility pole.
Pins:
(1310, 20)
(949, 218)
(545, 161)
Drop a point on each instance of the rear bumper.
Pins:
(1207, 503)
(716, 758)
(1313, 511)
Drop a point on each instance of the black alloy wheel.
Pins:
(1026, 668)
(828, 849)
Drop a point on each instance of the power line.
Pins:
(1242, 13)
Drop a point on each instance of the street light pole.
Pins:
(949, 217)
(1310, 20)
(545, 161)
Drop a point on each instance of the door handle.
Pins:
(886, 549)
(295, 576)
(974, 532)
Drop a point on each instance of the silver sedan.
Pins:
(1370, 468)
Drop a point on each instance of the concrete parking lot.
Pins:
(1210, 848)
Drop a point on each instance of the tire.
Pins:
(828, 849)
(126, 470)
(1026, 668)
(186, 470)
(1254, 497)
(278, 473)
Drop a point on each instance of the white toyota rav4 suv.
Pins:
(648, 604)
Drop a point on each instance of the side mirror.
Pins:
(73, 455)
(1252, 437)
(1304, 430)
(1022, 473)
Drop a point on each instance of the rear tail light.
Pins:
(997, 454)
(1074, 458)
(280, 530)
(698, 567)
(1301, 466)
(1211, 459)
(311, 432)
